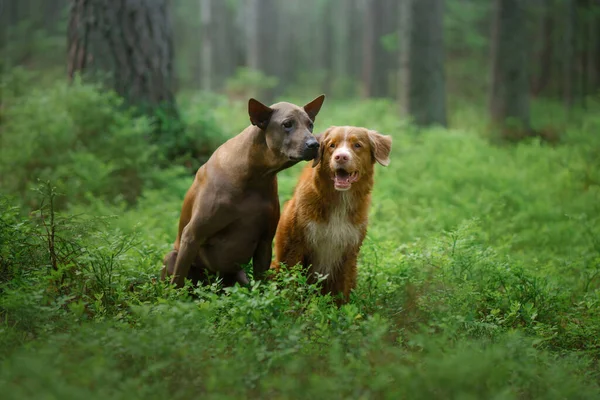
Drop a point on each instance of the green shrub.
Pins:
(479, 278)
(76, 137)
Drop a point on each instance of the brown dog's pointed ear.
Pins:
(259, 113)
(381, 146)
(312, 108)
(320, 137)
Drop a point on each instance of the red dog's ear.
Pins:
(259, 113)
(320, 138)
(381, 146)
(313, 108)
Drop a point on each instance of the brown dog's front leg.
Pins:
(168, 264)
(262, 257)
(188, 249)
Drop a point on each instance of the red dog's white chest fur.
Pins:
(329, 240)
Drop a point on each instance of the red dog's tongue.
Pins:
(342, 179)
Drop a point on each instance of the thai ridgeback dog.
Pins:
(230, 213)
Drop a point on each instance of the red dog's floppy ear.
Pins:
(320, 138)
(381, 146)
(259, 113)
(312, 108)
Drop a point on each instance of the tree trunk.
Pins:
(252, 34)
(340, 19)
(546, 55)
(128, 45)
(583, 35)
(509, 94)
(206, 59)
(595, 52)
(569, 54)
(261, 44)
(368, 48)
(356, 29)
(423, 89)
(226, 44)
(385, 22)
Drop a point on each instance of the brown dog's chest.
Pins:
(234, 245)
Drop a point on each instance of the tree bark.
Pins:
(385, 22)
(547, 52)
(127, 44)
(368, 48)
(206, 59)
(423, 89)
(509, 94)
(261, 44)
(569, 54)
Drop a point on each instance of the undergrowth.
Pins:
(479, 277)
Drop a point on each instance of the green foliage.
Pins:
(479, 278)
(76, 137)
(247, 82)
(90, 145)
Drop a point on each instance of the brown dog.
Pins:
(324, 224)
(230, 213)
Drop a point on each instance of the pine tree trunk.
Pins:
(127, 44)
(356, 29)
(206, 59)
(368, 48)
(252, 34)
(509, 94)
(569, 54)
(423, 90)
(547, 52)
(385, 22)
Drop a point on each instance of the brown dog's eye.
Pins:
(332, 145)
(310, 126)
(287, 124)
(357, 145)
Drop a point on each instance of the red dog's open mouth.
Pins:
(343, 179)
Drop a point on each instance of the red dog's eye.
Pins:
(357, 145)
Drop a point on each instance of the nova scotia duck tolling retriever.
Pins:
(324, 224)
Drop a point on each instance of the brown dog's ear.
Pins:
(381, 146)
(320, 137)
(259, 113)
(312, 108)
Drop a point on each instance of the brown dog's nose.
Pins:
(342, 157)
(312, 144)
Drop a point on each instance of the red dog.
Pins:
(324, 224)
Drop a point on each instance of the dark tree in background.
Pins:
(380, 22)
(206, 56)
(417, 51)
(422, 89)
(509, 86)
(126, 44)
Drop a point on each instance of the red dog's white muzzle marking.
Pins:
(342, 177)
(341, 156)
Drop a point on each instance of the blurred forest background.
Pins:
(426, 54)
(480, 273)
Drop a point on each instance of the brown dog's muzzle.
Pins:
(311, 149)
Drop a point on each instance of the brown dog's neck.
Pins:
(251, 160)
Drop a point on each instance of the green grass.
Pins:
(479, 278)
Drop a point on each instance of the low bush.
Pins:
(479, 278)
